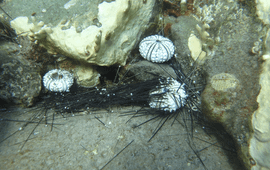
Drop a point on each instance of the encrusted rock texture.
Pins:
(20, 80)
(234, 106)
(232, 42)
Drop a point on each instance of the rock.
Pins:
(189, 40)
(182, 30)
(226, 33)
(20, 81)
(260, 141)
(86, 76)
(230, 95)
(263, 9)
(103, 34)
(146, 70)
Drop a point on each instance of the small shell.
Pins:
(156, 48)
(58, 80)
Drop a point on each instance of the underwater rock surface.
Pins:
(230, 95)
(260, 142)
(20, 81)
(227, 33)
(232, 41)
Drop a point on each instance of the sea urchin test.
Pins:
(156, 48)
(58, 80)
(170, 95)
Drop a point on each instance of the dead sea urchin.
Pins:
(58, 80)
(156, 48)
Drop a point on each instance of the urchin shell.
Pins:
(156, 48)
(58, 80)
(170, 95)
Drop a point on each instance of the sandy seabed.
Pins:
(83, 142)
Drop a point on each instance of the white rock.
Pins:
(263, 10)
(260, 142)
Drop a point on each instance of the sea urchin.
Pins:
(58, 80)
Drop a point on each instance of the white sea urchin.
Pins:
(58, 80)
(156, 48)
(170, 95)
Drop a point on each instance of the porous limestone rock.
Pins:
(263, 10)
(260, 141)
(232, 85)
(87, 75)
(221, 93)
(232, 37)
(114, 30)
